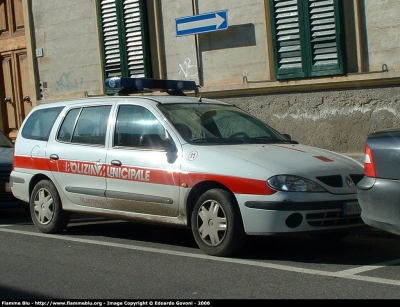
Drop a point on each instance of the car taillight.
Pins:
(369, 167)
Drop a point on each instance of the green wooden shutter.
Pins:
(325, 37)
(110, 39)
(123, 25)
(287, 44)
(135, 46)
(306, 38)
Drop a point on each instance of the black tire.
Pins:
(46, 208)
(218, 207)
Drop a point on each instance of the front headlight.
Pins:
(291, 183)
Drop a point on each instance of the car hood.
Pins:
(266, 160)
(295, 159)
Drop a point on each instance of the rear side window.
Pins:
(38, 125)
(85, 126)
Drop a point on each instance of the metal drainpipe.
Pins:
(161, 68)
(199, 73)
(359, 28)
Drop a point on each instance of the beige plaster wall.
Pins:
(382, 39)
(68, 34)
(224, 56)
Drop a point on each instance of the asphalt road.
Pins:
(101, 259)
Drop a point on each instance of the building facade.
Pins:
(324, 71)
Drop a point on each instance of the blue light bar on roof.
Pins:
(138, 84)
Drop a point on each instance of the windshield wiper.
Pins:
(287, 142)
(206, 140)
(269, 140)
(255, 140)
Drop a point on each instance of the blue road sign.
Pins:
(208, 22)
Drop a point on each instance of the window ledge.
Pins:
(256, 87)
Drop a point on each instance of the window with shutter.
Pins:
(307, 38)
(123, 26)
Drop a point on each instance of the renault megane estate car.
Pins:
(179, 160)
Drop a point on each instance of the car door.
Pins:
(79, 153)
(141, 176)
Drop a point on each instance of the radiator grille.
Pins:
(333, 218)
(336, 181)
(333, 181)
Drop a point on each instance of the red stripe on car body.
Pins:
(155, 176)
(322, 158)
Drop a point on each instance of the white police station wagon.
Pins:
(179, 160)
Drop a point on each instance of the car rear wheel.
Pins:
(46, 208)
(217, 224)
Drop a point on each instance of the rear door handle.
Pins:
(54, 157)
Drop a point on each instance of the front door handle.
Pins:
(7, 100)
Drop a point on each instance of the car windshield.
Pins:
(4, 141)
(206, 123)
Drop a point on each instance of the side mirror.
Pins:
(170, 146)
(172, 151)
(289, 138)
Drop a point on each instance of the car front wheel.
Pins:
(46, 208)
(217, 224)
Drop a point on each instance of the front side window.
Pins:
(138, 127)
(307, 38)
(124, 38)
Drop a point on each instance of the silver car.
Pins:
(379, 191)
(183, 161)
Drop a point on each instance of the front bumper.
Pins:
(261, 217)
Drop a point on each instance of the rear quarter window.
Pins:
(38, 125)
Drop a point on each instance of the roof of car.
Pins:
(155, 99)
(140, 89)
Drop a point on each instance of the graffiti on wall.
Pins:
(67, 81)
(188, 70)
(331, 112)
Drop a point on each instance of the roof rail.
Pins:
(126, 86)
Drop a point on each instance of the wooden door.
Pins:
(15, 101)
(16, 104)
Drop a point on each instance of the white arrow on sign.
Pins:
(213, 21)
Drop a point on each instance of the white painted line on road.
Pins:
(10, 225)
(346, 274)
(72, 221)
(366, 268)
